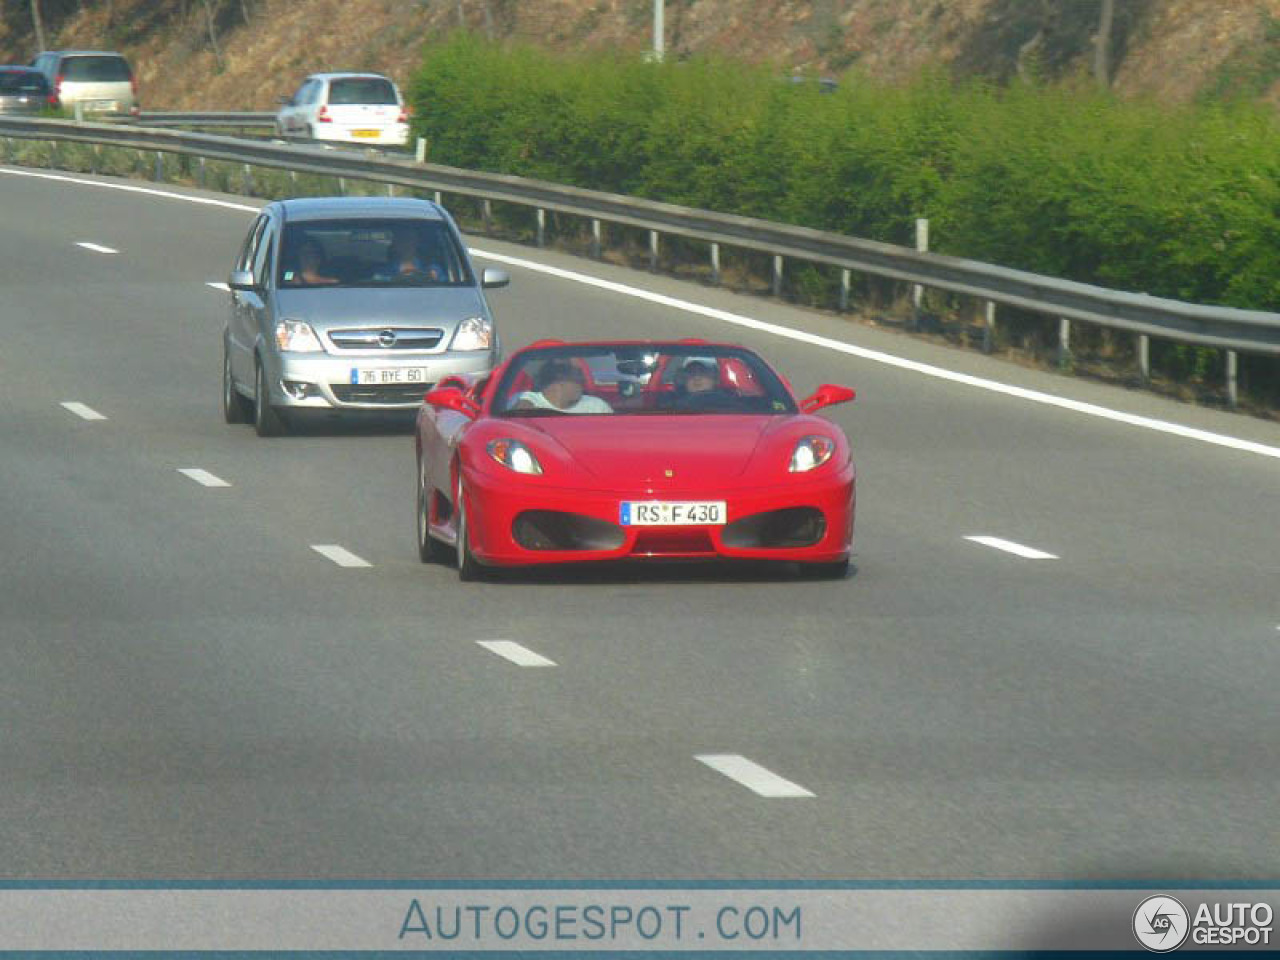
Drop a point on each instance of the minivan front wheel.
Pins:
(235, 408)
(266, 418)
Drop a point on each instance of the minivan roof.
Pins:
(336, 208)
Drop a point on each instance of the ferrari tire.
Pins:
(267, 420)
(469, 568)
(235, 408)
(430, 550)
(836, 570)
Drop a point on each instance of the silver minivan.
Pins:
(351, 305)
(99, 81)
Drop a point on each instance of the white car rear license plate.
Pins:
(376, 375)
(669, 513)
(364, 133)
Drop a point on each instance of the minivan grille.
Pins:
(387, 338)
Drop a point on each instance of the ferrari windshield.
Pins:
(648, 379)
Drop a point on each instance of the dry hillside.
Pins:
(240, 54)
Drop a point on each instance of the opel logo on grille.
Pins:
(387, 338)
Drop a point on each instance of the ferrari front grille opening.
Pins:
(553, 530)
(778, 529)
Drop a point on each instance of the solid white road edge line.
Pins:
(1034, 396)
(520, 656)
(130, 188)
(82, 411)
(839, 346)
(95, 247)
(1008, 546)
(339, 555)
(752, 776)
(203, 477)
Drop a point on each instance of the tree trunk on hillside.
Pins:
(211, 19)
(1102, 44)
(38, 23)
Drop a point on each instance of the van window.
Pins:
(371, 90)
(96, 70)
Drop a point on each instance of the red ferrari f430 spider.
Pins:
(576, 452)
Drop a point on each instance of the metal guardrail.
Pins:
(239, 121)
(1226, 328)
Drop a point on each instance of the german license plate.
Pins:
(376, 375)
(364, 133)
(671, 513)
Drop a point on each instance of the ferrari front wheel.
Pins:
(430, 550)
(468, 567)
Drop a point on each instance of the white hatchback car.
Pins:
(345, 107)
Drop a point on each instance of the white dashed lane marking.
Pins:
(82, 411)
(520, 656)
(752, 776)
(203, 477)
(339, 555)
(217, 286)
(95, 247)
(1017, 549)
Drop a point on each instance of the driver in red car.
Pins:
(560, 386)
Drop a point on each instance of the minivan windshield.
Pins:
(371, 252)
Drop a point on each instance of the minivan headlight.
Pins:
(296, 336)
(811, 452)
(474, 333)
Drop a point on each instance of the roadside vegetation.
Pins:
(1063, 180)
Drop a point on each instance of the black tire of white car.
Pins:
(266, 419)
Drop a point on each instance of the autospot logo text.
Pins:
(1161, 923)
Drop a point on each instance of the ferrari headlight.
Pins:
(296, 336)
(474, 333)
(811, 452)
(514, 455)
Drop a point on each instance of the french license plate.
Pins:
(364, 133)
(668, 513)
(376, 375)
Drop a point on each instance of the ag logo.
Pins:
(1161, 923)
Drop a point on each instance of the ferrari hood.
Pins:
(660, 451)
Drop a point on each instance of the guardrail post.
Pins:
(777, 275)
(96, 158)
(342, 186)
(200, 174)
(542, 227)
(1144, 357)
(79, 111)
(596, 246)
(158, 176)
(487, 208)
(653, 251)
(989, 329)
(439, 199)
(246, 181)
(917, 291)
(715, 264)
(846, 281)
(391, 189)
(1064, 343)
(420, 151)
(1233, 371)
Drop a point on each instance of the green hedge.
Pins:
(1062, 180)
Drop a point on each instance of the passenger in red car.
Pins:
(560, 385)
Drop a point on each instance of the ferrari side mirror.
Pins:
(826, 395)
(451, 398)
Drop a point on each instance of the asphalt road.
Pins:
(189, 689)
